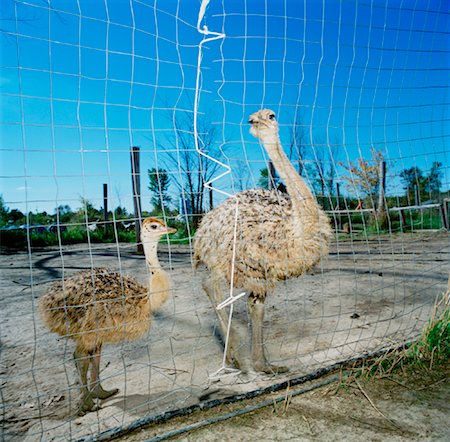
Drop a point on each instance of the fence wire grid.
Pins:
(116, 111)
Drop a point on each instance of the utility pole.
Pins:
(382, 187)
(211, 201)
(271, 175)
(338, 202)
(381, 212)
(105, 207)
(416, 195)
(136, 186)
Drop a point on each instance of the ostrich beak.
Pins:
(256, 123)
(170, 230)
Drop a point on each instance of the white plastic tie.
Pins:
(230, 300)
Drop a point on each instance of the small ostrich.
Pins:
(99, 306)
(278, 236)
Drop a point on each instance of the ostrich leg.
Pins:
(256, 311)
(97, 391)
(215, 287)
(82, 360)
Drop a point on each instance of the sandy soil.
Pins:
(367, 294)
(374, 410)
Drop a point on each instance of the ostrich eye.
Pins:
(271, 117)
(154, 226)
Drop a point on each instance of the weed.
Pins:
(434, 345)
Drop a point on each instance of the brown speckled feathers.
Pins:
(278, 236)
(268, 248)
(100, 304)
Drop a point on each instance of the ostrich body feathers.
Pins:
(102, 306)
(270, 245)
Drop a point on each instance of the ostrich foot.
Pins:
(267, 368)
(239, 362)
(87, 405)
(237, 354)
(99, 392)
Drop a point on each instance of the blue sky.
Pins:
(83, 80)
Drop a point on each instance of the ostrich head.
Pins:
(153, 229)
(264, 126)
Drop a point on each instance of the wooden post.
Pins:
(382, 187)
(136, 186)
(211, 202)
(271, 175)
(416, 194)
(444, 216)
(379, 212)
(338, 202)
(105, 207)
(403, 218)
(446, 207)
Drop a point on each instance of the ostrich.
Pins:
(99, 306)
(278, 236)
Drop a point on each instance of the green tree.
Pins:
(64, 213)
(8, 216)
(413, 183)
(87, 208)
(4, 210)
(264, 178)
(120, 212)
(40, 218)
(419, 187)
(16, 217)
(159, 181)
(434, 180)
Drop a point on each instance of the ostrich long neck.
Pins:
(303, 201)
(158, 281)
(151, 255)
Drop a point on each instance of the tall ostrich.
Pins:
(278, 236)
(99, 306)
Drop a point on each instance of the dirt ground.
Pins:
(374, 410)
(368, 294)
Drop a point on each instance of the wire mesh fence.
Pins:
(116, 112)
